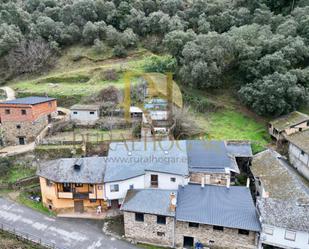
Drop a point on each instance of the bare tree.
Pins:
(30, 57)
(184, 125)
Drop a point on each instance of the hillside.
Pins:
(72, 80)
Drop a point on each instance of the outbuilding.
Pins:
(85, 114)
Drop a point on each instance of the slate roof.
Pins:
(276, 177)
(217, 205)
(151, 201)
(300, 139)
(285, 214)
(209, 156)
(28, 101)
(132, 159)
(239, 149)
(62, 170)
(284, 122)
(85, 107)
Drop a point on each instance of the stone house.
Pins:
(212, 215)
(85, 114)
(282, 202)
(73, 184)
(299, 152)
(149, 216)
(288, 124)
(23, 119)
(211, 162)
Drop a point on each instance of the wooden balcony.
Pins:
(65, 195)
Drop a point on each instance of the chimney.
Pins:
(248, 182)
(203, 182)
(228, 182)
(173, 202)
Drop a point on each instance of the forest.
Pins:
(257, 48)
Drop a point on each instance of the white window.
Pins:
(269, 230)
(290, 235)
(115, 188)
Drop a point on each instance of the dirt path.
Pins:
(10, 93)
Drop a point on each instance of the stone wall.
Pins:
(29, 130)
(229, 238)
(216, 179)
(147, 231)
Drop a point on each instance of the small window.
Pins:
(49, 183)
(139, 217)
(192, 224)
(218, 228)
(91, 113)
(290, 235)
(23, 112)
(7, 111)
(160, 234)
(269, 230)
(114, 188)
(243, 232)
(302, 152)
(161, 219)
(93, 200)
(300, 129)
(18, 126)
(131, 186)
(173, 179)
(78, 185)
(74, 113)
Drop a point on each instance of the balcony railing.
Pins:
(65, 195)
(82, 196)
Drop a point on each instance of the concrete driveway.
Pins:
(64, 233)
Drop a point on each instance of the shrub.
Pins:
(160, 64)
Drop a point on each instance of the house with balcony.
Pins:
(73, 184)
(282, 202)
(23, 119)
(288, 124)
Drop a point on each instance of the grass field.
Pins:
(17, 172)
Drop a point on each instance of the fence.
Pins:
(29, 237)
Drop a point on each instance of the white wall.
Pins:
(84, 116)
(299, 161)
(278, 238)
(138, 182)
(164, 180)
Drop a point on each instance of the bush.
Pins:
(160, 64)
(120, 51)
(5, 165)
(110, 74)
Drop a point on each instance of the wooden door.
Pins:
(79, 206)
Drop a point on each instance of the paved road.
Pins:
(64, 233)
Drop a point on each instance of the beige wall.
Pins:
(227, 239)
(147, 231)
(217, 179)
(50, 197)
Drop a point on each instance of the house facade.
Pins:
(24, 118)
(190, 215)
(288, 124)
(282, 202)
(139, 165)
(85, 114)
(72, 184)
(299, 152)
